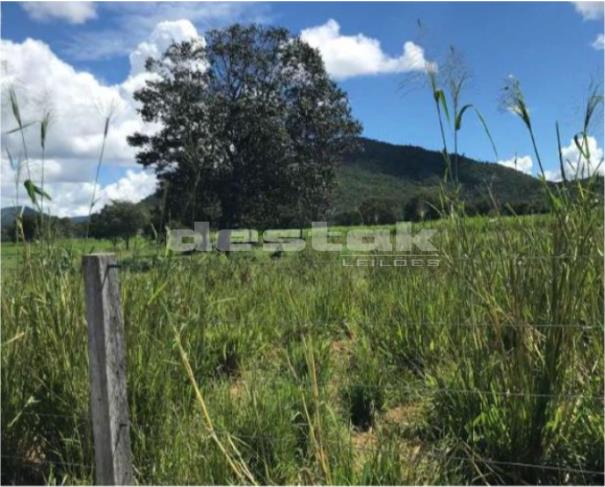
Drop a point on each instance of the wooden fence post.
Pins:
(107, 357)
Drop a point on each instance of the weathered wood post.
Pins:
(107, 357)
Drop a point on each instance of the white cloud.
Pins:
(72, 12)
(347, 56)
(133, 187)
(73, 199)
(134, 20)
(71, 189)
(554, 176)
(599, 42)
(572, 153)
(523, 163)
(590, 10)
(575, 164)
(78, 103)
(163, 35)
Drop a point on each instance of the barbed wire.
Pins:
(28, 462)
(312, 325)
(350, 445)
(304, 326)
(406, 388)
(50, 415)
(129, 263)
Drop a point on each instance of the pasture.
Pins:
(309, 367)
(485, 369)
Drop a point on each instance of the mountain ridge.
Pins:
(399, 175)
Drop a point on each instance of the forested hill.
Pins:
(387, 175)
(381, 182)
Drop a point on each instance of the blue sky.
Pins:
(552, 48)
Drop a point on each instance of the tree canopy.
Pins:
(251, 128)
(120, 219)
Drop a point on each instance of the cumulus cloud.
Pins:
(70, 184)
(575, 164)
(78, 103)
(73, 199)
(599, 42)
(71, 12)
(134, 186)
(134, 20)
(590, 10)
(163, 35)
(346, 56)
(554, 176)
(523, 163)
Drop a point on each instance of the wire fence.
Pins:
(152, 261)
(250, 441)
(259, 441)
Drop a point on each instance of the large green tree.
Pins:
(251, 128)
(119, 220)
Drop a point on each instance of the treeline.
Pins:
(121, 220)
(118, 220)
(33, 225)
(427, 206)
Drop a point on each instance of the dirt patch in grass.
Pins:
(237, 389)
(341, 349)
(402, 415)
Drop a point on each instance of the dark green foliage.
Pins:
(253, 139)
(120, 219)
(36, 225)
(363, 395)
(422, 206)
(361, 400)
(408, 175)
(376, 211)
(404, 173)
(378, 172)
(348, 218)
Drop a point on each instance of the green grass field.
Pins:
(485, 369)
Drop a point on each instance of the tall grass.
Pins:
(93, 201)
(304, 384)
(35, 193)
(291, 368)
(542, 280)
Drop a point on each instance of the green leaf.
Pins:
(583, 150)
(440, 98)
(15, 106)
(44, 130)
(487, 132)
(561, 164)
(29, 187)
(33, 191)
(13, 163)
(524, 114)
(18, 129)
(458, 121)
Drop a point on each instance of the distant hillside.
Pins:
(388, 178)
(9, 214)
(401, 172)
